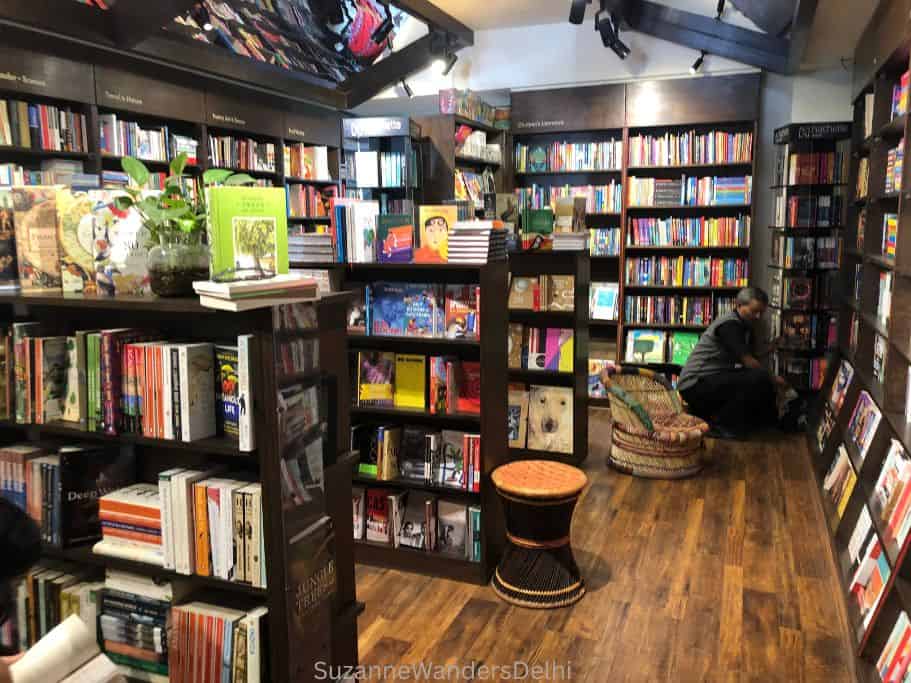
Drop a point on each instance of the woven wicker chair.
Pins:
(651, 436)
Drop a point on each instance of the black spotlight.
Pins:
(451, 60)
(720, 9)
(608, 25)
(381, 32)
(698, 63)
(407, 89)
(577, 11)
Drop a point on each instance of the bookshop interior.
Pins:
(348, 340)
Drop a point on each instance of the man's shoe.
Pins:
(720, 432)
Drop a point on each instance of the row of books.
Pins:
(126, 380)
(800, 372)
(890, 235)
(383, 169)
(540, 418)
(796, 291)
(417, 520)
(599, 198)
(690, 191)
(806, 252)
(403, 380)
(604, 242)
(558, 157)
(473, 143)
(604, 300)
(155, 143)
(540, 348)
(306, 162)
(668, 310)
(472, 186)
(687, 271)
(42, 127)
(690, 147)
(817, 168)
(226, 151)
(416, 309)
(816, 211)
(307, 201)
(51, 172)
(798, 330)
(657, 346)
(445, 459)
(900, 96)
(704, 231)
(541, 293)
(895, 161)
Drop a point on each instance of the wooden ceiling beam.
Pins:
(398, 66)
(135, 20)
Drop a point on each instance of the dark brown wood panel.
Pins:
(888, 28)
(115, 89)
(723, 577)
(32, 73)
(549, 111)
(243, 115)
(313, 126)
(692, 101)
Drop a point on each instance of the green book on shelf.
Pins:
(248, 230)
(682, 345)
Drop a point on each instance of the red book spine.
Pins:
(477, 464)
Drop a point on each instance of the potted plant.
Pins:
(176, 222)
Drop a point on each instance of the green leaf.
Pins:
(174, 202)
(216, 176)
(135, 169)
(187, 225)
(178, 163)
(123, 203)
(240, 179)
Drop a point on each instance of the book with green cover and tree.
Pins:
(248, 230)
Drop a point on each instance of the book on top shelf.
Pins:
(864, 422)
(248, 229)
(434, 223)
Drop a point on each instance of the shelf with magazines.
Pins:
(862, 433)
(429, 405)
(281, 466)
(549, 311)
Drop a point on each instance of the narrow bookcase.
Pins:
(332, 624)
(810, 191)
(874, 349)
(490, 423)
(577, 265)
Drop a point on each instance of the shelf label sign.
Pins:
(375, 126)
(227, 118)
(24, 79)
(531, 125)
(296, 132)
(123, 99)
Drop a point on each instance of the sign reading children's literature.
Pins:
(434, 225)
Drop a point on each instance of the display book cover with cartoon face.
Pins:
(550, 419)
(434, 224)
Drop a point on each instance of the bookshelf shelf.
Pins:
(874, 323)
(412, 560)
(802, 228)
(595, 322)
(663, 326)
(477, 125)
(895, 128)
(84, 555)
(136, 303)
(591, 171)
(690, 207)
(616, 214)
(248, 171)
(731, 165)
(416, 485)
(475, 161)
(309, 181)
(42, 153)
(695, 288)
(309, 219)
(808, 187)
(542, 318)
(472, 420)
(154, 163)
(548, 377)
(880, 261)
(630, 248)
(429, 345)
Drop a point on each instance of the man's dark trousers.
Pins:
(740, 400)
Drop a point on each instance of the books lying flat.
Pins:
(237, 305)
(570, 241)
(278, 286)
(476, 242)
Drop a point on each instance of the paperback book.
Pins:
(864, 421)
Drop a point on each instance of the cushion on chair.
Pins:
(539, 479)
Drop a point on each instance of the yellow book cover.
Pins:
(846, 494)
(410, 374)
(389, 464)
(201, 528)
(376, 378)
(566, 352)
(434, 224)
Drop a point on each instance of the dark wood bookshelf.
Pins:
(589, 171)
(630, 248)
(42, 153)
(721, 166)
(418, 561)
(417, 485)
(689, 207)
(470, 420)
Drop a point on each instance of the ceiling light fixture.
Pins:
(698, 63)
(407, 89)
(720, 10)
(450, 62)
(577, 11)
(608, 25)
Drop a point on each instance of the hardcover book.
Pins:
(550, 419)
(375, 378)
(453, 529)
(524, 294)
(682, 345)
(50, 379)
(410, 373)
(469, 386)
(357, 310)
(227, 391)
(558, 350)
(405, 309)
(515, 341)
(119, 247)
(394, 238)
(377, 516)
(891, 500)
(75, 237)
(418, 526)
(461, 315)
(434, 223)
(517, 415)
(451, 471)
(560, 292)
(248, 230)
(840, 385)
(645, 346)
(604, 300)
(357, 505)
(414, 457)
(37, 253)
(9, 267)
(864, 421)
(839, 481)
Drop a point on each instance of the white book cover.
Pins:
(167, 412)
(197, 399)
(245, 359)
(357, 505)
(366, 169)
(167, 515)
(65, 648)
(254, 623)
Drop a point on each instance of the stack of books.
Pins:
(570, 241)
(245, 295)
(131, 524)
(477, 242)
(310, 247)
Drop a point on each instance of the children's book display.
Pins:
(841, 385)
(839, 481)
(864, 422)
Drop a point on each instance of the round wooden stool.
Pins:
(537, 568)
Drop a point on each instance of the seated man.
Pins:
(722, 381)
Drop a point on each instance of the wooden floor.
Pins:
(725, 577)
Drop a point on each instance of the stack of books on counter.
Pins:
(570, 241)
(310, 247)
(477, 242)
(244, 295)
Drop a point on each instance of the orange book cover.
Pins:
(201, 527)
(219, 638)
(149, 539)
(117, 506)
(120, 518)
(144, 391)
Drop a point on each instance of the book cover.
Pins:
(227, 412)
(452, 533)
(197, 400)
(451, 472)
(357, 310)
(515, 340)
(469, 387)
(247, 229)
(9, 266)
(75, 236)
(890, 500)
(434, 223)
(864, 422)
(377, 520)
(604, 296)
(375, 378)
(682, 345)
(51, 382)
(439, 385)
(414, 461)
(517, 415)
(560, 292)
(550, 419)
(418, 518)
(405, 309)
(839, 480)
(394, 238)
(558, 349)
(74, 407)
(461, 314)
(119, 247)
(596, 388)
(358, 508)
(524, 294)
(410, 385)
(245, 420)
(840, 385)
(37, 253)
(645, 346)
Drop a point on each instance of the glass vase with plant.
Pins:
(176, 222)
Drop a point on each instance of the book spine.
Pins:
(253, 523)
(108, 395)
(245, 359)
(201, 527)
(176, 416)
(167, 530)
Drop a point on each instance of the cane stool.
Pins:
(537, 568)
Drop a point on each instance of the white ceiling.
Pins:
(834, 34)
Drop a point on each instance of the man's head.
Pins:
(751, 303)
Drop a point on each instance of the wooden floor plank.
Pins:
(723, 577)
